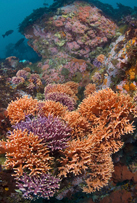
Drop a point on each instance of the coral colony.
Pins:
(76, 107)
(50, 145)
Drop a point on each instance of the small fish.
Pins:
(19, 42)
(9, 32)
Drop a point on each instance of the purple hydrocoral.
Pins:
(54, 132)
(62, 98)
(35, 187)
(97, 63)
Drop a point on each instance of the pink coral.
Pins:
(58, 23)
(79, 31)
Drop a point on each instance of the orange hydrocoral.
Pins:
(104, 140)
(62, 88)
(80, 127)
(101, 171)
(86, 157)
(28, 153)
(52, 107)
(73, 86)
(18, 109)
(109, 114)
(106, 105)
(76, 158)
(89, 89)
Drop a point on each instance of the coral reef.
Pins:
(77, 24)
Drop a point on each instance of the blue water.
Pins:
(13, 12)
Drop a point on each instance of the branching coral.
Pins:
(28, 153)
(33, 187)
(79, 124)
(84, 157)
(109, 114)
(51, 130)
(76, 158)
(105, 140)
(18, 109)
(89, 89)
(68, 145)
(100, 172)
(73, 86)
(52, 107)
(107, 107)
